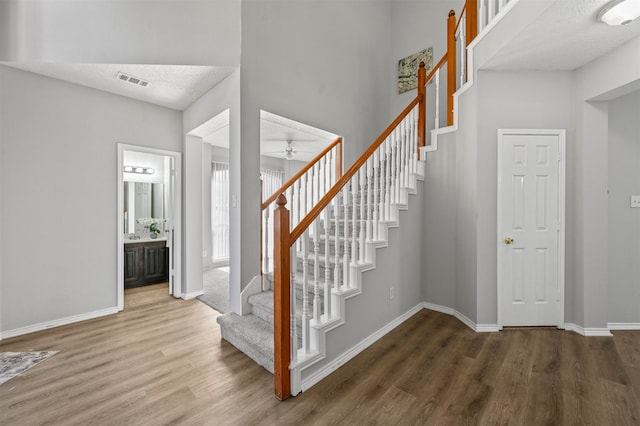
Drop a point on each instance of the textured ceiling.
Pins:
(172, 86)
(565, 36)
(307, 141)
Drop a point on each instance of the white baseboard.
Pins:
(57, 323)
(624, 326)
(192, 295)
(587, 331)
(357, 348)
(478, 328)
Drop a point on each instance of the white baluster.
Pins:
(346, 253)
(327, 265)
(336, 217)
(403, 152)
(481, 15)
(294, 307)
(321, 178)
(370, 205)
(304, 195)
(265, 238)
(316, 270)
(463, 49)
(387, 183)
(306, 341)
(376, 195)
(437, 109)
(492, 11)
(316, 183)
(363, 215)
(394, 166)
(396, 163)
(354, 220)
(392, 163)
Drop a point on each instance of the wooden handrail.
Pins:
(333, 192)
(304, 169)
(464, 8)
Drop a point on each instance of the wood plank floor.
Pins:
(162, 361)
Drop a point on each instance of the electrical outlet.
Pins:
(204, 253)
(635, 201)
(392, 293)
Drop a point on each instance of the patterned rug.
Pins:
(15, 363)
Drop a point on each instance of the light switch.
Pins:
(234, 201)
(635, 201)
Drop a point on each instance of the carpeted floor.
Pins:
(216, 289)
(15, 363)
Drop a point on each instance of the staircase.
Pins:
(329, 238)
(253, 333)
(332, 253)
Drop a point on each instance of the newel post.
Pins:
(451, 64)
(281, 299)
(422, 107)
(472, 20)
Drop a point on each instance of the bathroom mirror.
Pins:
(142, 199)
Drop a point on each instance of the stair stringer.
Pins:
(319, 330)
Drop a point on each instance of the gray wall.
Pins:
(601, 80)
(624, 222)
(58, 185)
(418, 25)
(516, 100)
(316, 62)
(225, 95)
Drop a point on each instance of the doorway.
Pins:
(531, 200)
(149, 216)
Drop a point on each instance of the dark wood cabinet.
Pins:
(145, 263)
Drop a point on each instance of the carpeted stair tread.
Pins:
(251, 335)
(262, 305)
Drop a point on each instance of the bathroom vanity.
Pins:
(146, 261)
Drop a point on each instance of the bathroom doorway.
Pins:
(149, 221)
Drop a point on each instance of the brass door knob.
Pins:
(508, 240)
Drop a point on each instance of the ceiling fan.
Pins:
(289, 152)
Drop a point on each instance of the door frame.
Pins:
(176, 253)
(561, 134)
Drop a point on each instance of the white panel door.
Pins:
(530, 227)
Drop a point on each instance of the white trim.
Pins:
(177, 220)
(57, 323)
(254, 287)
(590, 331)
(562, 182)
(357, 348)
(192, 295)
(439, 308)
(478, 328)
(487, 328)
(624, 325)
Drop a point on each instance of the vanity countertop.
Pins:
(144, 240)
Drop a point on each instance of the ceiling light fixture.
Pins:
(620, 12)
(141, 170)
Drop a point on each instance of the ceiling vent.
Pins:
(131, 79)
